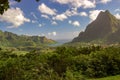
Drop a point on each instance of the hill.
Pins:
(105, 29)
(14, 40)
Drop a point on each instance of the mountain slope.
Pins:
(101, 29)
(13, 40)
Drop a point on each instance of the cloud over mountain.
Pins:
(117, 16)
(93, 14)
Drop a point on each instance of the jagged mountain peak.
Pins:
(105, 15)
(103, 26)
(105, 12)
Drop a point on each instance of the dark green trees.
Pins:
(64, 63)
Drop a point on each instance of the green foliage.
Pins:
(71, 75)
(4, 5)
(25, 67)
(63, 63)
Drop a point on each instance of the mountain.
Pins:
(14, 40)
(105, 29)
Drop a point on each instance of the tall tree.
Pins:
(4, 5)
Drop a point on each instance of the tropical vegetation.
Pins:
(60, 63)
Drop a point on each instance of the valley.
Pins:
(59, 40)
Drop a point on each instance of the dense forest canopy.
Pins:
(61, 63)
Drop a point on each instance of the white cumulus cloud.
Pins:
(78, 3)
(83, 14)
(105, 1)
(60, 17)
(74, 12)
(74, 23)
(71, 12)
(54, 33)
(93, 14)
(46, 10)
(15, 16)
(54, 23)
(63, 1)
(117, 16)
(88, 3)
(45, 16)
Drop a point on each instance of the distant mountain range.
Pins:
(13, 40)
(105, 29)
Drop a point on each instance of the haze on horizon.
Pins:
(55, 19)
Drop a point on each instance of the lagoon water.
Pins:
(59, 43)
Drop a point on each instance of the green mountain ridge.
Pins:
(13, 40)
(105, 29)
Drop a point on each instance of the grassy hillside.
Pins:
(117, 77)
(14, 40)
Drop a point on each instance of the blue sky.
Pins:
(55, 19)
